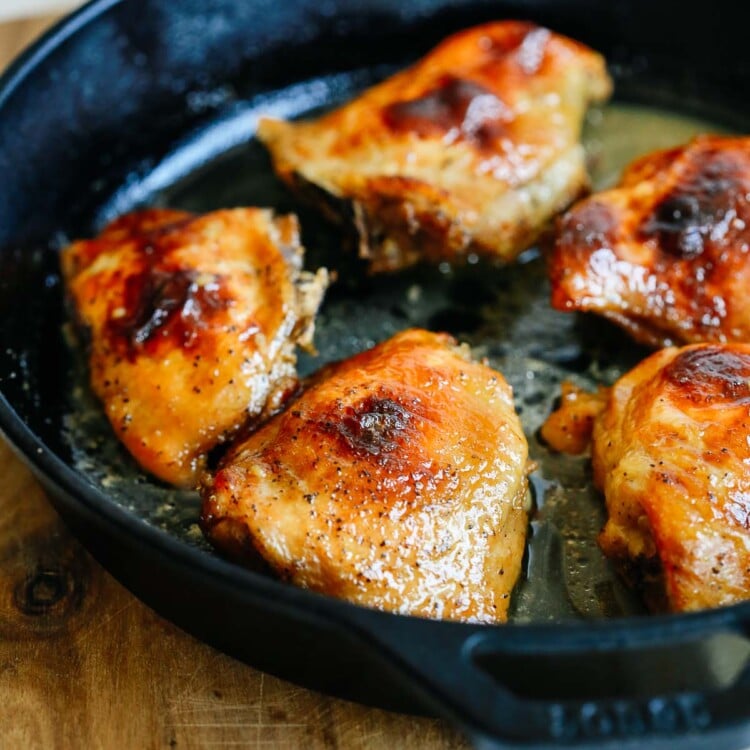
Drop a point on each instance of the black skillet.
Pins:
(109, 111)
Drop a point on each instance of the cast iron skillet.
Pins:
(86, 116)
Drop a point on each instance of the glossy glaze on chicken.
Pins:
(665, 254)
(192, 323)
(396, 480)
(671, 451)
(471, 150)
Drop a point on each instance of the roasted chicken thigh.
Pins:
(471, 150)
(664, 254)
(671, 451)
(396, 480)
(192, 323)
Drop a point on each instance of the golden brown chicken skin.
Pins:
(192, 323)
(471, 150)
(397, 480)
(568, 429)
(664, 254)
(671, 452)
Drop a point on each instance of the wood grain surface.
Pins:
(83, 664)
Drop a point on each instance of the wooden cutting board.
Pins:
(84, 664)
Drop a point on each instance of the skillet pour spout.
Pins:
(134, 102)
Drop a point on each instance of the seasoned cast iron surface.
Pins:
(502, 312)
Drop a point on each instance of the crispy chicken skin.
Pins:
(397, 480)
(664, 254)
(192, 323)
(568, 429)
(471, 150)
(672, 455)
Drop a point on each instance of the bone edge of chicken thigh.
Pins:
(401, 225)
(248, 504)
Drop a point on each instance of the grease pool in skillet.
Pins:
(503, 313)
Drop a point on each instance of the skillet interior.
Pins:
(152, 104)
(503, 312)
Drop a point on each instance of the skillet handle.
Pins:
(588, 686)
